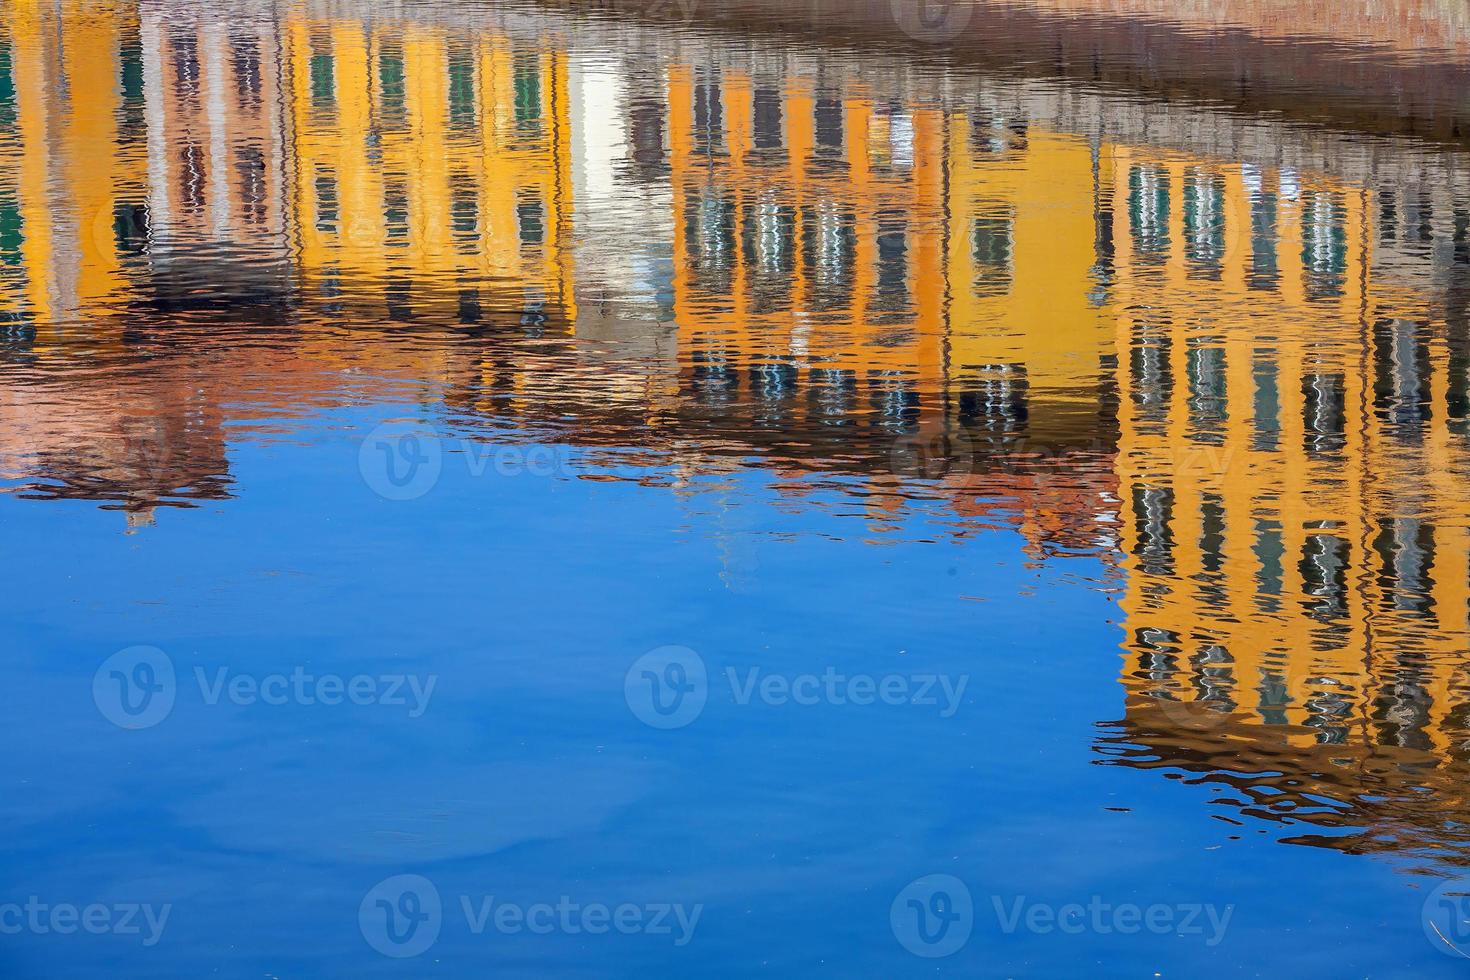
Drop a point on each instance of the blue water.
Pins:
(527, 777)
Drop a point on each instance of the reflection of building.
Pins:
(60, 230)
(206, 224)
(859, 261)
(432, 171)
(132, 445)
(1289, 445)
(216, 144)
(1295, 527)
(843, 263)
(1031, 340)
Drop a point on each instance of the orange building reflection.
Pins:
(1244, 384)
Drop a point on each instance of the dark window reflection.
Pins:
(1324, 243)
(185, 49)
(1266, 403)
(893, 262)
(709, 116)
(323, 74)
(829, 255)
(767, 129)
(832, 394)
(894, 401)
(1153, 515)
(1264, 270)
(1207, 406)
(1323, 569)
(191, 177)
(1204, 223)
(1401, 376)
(245, 59)
(530, 218)
(395, 211)
(994, 398)
(827, 116)
(1324, 413)
(1405, 547)
(526, 81)
(393, 113)
(991, 235)
(1270, 550)
(250, 166)
(463, 109)
(1148, 210)
(1151, 372)
(325, 186)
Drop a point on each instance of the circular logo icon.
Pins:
(400, 460)
(1196, 715)
(401, 916)
(1446, 918)
(932, 21)
(144, 447)
(667, 687)
(135, 687)
(932, 452)
(933, 916)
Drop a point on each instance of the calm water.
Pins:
(758, 488)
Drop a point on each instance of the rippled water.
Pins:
(864, 489)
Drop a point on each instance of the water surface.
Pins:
(751, 459)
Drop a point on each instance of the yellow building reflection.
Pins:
(1246, 386)
(429, 168)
